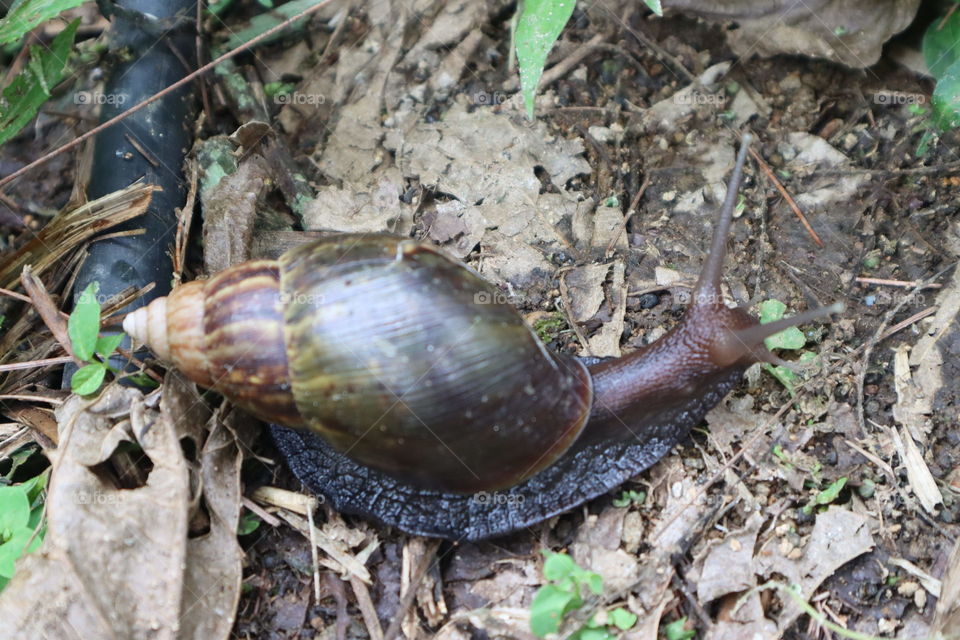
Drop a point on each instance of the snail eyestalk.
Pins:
(738, 344)
(707, 291)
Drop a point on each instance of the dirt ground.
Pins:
(736, 504)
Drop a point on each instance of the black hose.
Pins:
(153, 44)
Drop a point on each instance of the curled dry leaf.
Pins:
(851, 32)
(119, 562)
(838, 537)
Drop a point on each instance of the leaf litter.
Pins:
(448, 159)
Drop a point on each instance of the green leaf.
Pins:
(24, 96)
(83, 326)
(88, 379)
(21, 541)
(791, 338)
(676, 631)
(594, 582)
(249, 522)
(538, 28)
(946, 98)
(549, 605)
(940, 41)
(268, 20)
(24, 15)
(787, 377)
(622, 619)
(106, 345)
(14, 510)
(654, 6)
(34, 486)
(143, 381)
(557, 566)
(628, 497)
(830, 494)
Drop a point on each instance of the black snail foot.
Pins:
(586, 473)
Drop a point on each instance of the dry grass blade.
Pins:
(48, 311)
(70, 229)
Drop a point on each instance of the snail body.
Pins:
(412, 395)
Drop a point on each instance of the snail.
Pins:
(411, 395)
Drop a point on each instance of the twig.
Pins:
(32, 364)
(340, 596)
(899, 283)
(262, 513)
(626, 218)
(903, 324)
(563, 67)
(786, 196)
(367, 610)
(15, 295)
(407, 600)
(173, 87)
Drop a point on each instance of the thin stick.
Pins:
(407, 600)
(33, 364)
(626, 218)
(899, 283)
(786, 196)
(903, 324)
(173, 87)
(15, 295)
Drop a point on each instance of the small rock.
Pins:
(791, 83)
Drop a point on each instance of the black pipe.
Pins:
(152, 43)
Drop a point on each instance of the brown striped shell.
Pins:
(399, 357)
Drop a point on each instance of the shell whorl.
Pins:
(148, 325)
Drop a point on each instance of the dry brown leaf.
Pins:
(118, 562)
(851, 32)
(838, 537)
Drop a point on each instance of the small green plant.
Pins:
(21, 511)
(825, 496)
(24, 15)
(549, 327)
(26, 93)
(83, 327)
(629, 497)
(791, 338)
(564, 594)
(942, 55)
(249, 522)
(538, 27)
(677, 630)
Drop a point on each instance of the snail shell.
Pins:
(395, 354)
